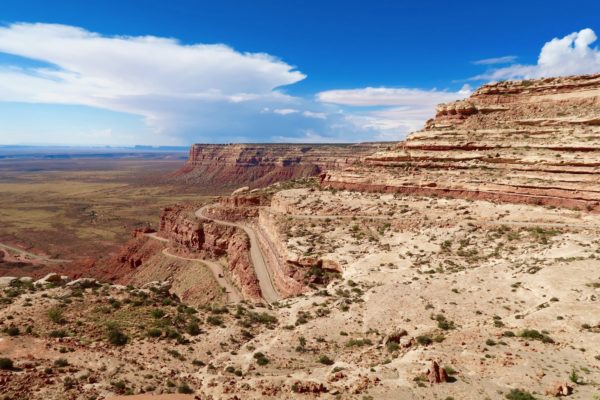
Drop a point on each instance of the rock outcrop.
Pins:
(534, 142)
(211, 240)
(436, 374)
(258, 165)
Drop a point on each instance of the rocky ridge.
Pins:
(207, 239)
(534, 142)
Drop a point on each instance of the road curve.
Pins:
(261, 269)
(32, 255)
(233, 294)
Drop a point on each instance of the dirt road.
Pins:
(32, 256)
(261, 268)
(233, 294)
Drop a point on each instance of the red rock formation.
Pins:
(206, 239)
(235, 208)
(534, 142)
(258, 165)
(436, 374)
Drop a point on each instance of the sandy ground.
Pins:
(504, 297)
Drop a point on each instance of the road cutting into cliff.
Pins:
(265, 279)
(233, 294)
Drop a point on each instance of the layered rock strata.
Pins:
(258, 165)
(535, 142)
(207, 239)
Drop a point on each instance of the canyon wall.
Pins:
(535, 142)
(259, 165)
(203, 239)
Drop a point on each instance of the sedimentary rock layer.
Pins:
(534, 142)
(257, 165)
(207, 239)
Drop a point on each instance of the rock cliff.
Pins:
(535, 142)
(258, 165)
(210, 240)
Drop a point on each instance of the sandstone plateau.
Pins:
(534, 142)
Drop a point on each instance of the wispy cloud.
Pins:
(496, 60)
(404, 109)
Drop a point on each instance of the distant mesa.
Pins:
(258, 165)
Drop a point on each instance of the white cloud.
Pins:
(404, 110)
(312, 114)
(390, 96)
(285, 111)
(496, 60)
(175, 87)
(570, 55)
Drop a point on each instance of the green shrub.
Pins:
(6, 363)
(117, 337)
(574, 377)
(55, 315)
(518, 394)
(60, 333)
(192, 328)
(323, 359)
(214, 320)
(12, 331)
(535, 335)
(358, 342)
(392, 346)
(61, 362)
(184, 388)
(154, 332)
(424, 340)
(261, 359)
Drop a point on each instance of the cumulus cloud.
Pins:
(396, 111)
(569, 55)
(174, 87)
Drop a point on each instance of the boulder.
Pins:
(83, 283)
(560, 389)
(6, 281)
(50, 278)
(158, 287)
(395, 336)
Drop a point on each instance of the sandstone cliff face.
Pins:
(259, 165)
(535, 142)
(236, 208)
(207, 239)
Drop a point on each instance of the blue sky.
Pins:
(178, 72)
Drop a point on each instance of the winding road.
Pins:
(261, 268)
(233, 294)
